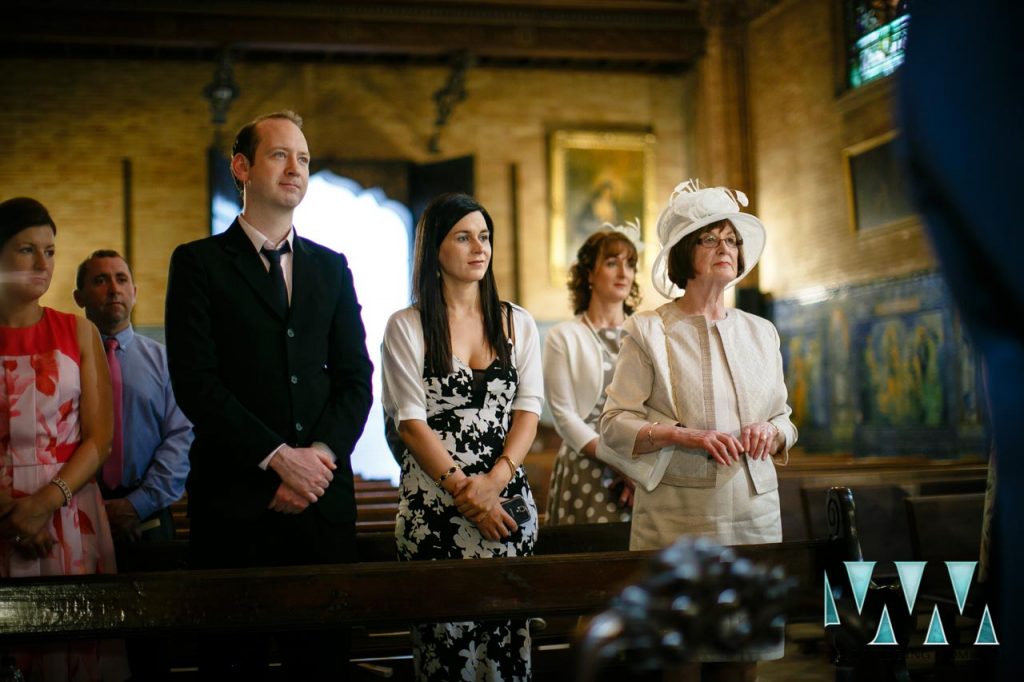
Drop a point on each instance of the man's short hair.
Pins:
(100, 253)
(248, 139)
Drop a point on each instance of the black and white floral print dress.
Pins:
(471, 412)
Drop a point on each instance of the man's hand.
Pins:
(124, 520)
(287, 501)
(307, 471)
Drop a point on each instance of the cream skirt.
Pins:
(731, 513)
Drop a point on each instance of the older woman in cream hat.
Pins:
(696, 412)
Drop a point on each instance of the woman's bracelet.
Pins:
(65, 489)
(443, 477)
(650, 432)
(511, 466)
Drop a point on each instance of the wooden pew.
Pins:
(377, 511)
(945, 527)
(377, 496)
(376, 595)
(948, 528)
(882, 521)
(882, 517)
(376, 506)
(817, 473)
(369, 594)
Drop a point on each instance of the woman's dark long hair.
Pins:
(436, 222)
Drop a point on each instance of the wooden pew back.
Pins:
(945, 527)
(369, 594)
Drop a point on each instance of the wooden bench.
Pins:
(945, 527)
(377, 496)
(881, 519)
(948, 528)
(376, 506)
(384, 596)
(377, 511)
(817, 473)
(881, 510)
(381, 596)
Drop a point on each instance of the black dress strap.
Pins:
(508, 320)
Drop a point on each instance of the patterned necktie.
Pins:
(277, 275)
(113, 467)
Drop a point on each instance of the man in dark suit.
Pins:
(268, 360)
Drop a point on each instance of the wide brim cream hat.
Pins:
(691, 207)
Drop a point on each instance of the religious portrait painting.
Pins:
(877, 190)
(597, 178)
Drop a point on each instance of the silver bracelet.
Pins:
(64, 488)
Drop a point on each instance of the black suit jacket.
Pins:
(250, 377)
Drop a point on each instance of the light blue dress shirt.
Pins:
(157, 435)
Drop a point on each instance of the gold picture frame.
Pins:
(877, 191)
(597, 177)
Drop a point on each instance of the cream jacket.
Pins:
(665, 343)
(573, 375)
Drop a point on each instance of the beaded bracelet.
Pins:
(65, 489)
(445, 475)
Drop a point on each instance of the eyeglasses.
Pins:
(710, 241)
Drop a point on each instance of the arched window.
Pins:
(374, 233)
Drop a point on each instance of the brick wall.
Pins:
(66, 125)
(799, 128)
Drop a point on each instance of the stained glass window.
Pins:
(876, 38)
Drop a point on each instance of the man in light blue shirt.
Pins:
(155, 435)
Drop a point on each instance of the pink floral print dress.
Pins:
(40, 387)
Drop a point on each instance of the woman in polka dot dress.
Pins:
(579, 360)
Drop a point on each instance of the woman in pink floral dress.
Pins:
(56, 423)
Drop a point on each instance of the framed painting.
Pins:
(876, 186)
(597, 178)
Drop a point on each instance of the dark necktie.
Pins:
(113, 467)
(277, 275)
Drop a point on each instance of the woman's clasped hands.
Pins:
(23, 520)
(477, 498)
(757, 441)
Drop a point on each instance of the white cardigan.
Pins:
(573, 373)
(402, 364)
(642, 391)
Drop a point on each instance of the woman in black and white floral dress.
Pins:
(462, 380)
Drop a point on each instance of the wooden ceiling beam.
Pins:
(651, 31)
